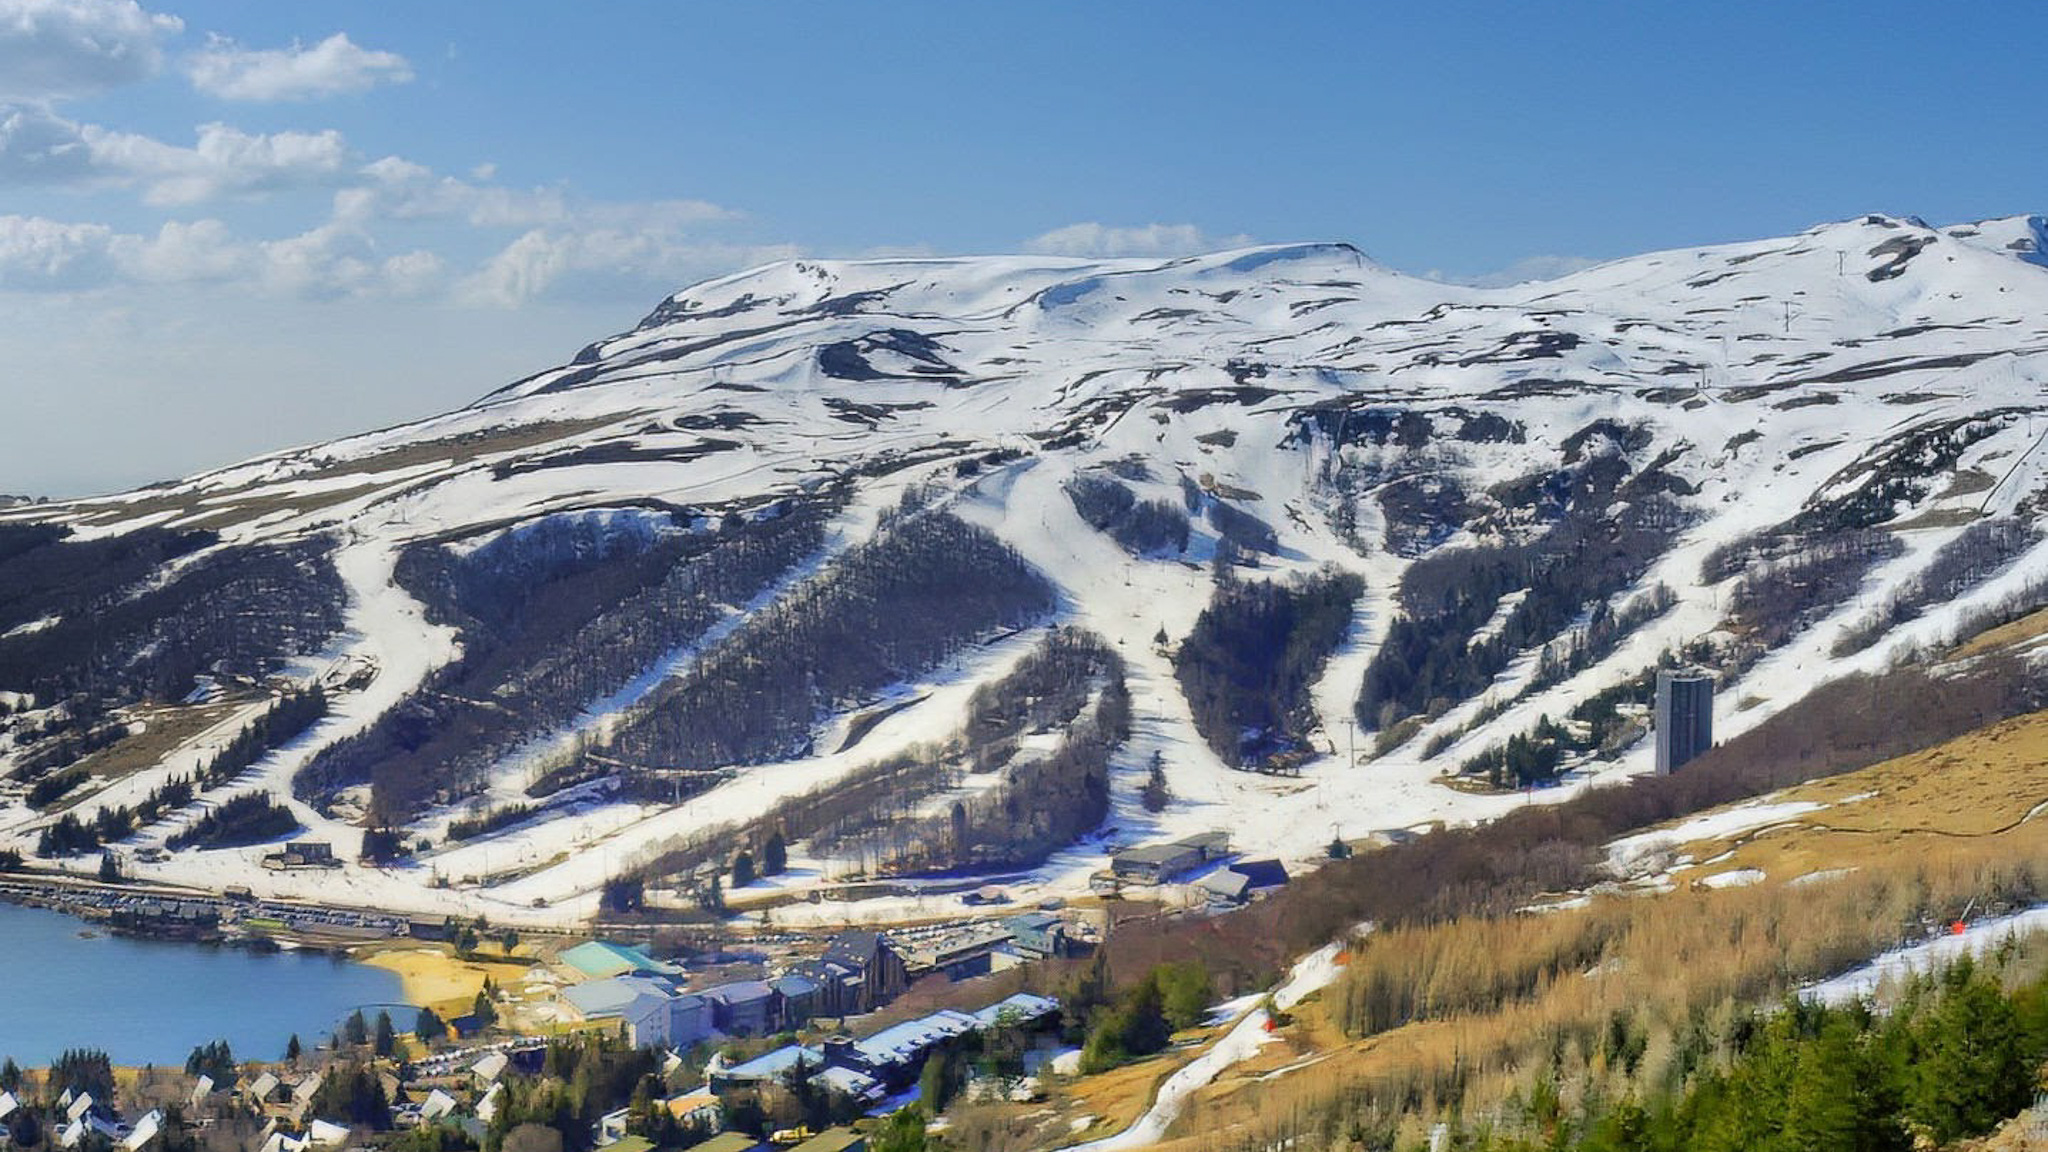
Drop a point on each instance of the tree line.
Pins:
(1255, 651)
(552, 615)
(1142, 527)
(1606, 525)
(887, 610)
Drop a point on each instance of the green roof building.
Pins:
(602, 960)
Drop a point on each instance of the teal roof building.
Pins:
(602, 960)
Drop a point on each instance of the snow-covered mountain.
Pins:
(1421, 518)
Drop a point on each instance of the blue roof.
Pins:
(1023, 1005)
(770, 1065)
(615, 996)
(908, 1040)
(791, 984)
(739, 992)
(602, 958)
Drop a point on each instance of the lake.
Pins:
(152, 1001)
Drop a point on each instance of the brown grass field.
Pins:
(1477, 1005)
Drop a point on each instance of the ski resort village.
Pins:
(1258, 700)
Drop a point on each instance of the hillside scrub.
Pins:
(873, 813)
(1458, 629)
(1143, 527)
(1497, 867)
(1041, 805)
(1977, 553)
(250, 818)
(552, 617)
(886, 610)
(1247, 666)
(1803, 581)
(1616, 1060)
(117, 637)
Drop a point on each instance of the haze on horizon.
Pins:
(229, 228)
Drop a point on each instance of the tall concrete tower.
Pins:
(1685, 717)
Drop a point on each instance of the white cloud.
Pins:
(55, 48)
(44, 255)
(335, 66)
(182, 252)
(38, 146)
(1520, 272)
(222, 160)
(323, 263)
(602, 263)
(1092, 239)
(398, 189)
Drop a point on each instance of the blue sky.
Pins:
(231, 226)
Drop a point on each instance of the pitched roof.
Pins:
(1262, 873)
(847, 1081)
(727, 1142)
(855, 946)
(910, 1039)
(629, 997)
(680, 1107)
(770, 1065)
(1227, 883)
(739, 992)
(793, 984)
(832, 1140)
(602, 958)
(1024, 1006)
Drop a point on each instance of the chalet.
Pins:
(960, 954)
(799, 997)
(851, 1083)
(1039, 935)
(603, 959)
(744, 1008)
(728, 1142)
(430, 927)
(836, 985)
(489, 1067)
(834, 1140)
(896, 1054)
(1158, 863)
(873, 973)
(652, 1010)
(1242, 882)
(769, 1068)
(695, 1110)
(1022, 1010)
(183, 919)
(302, 854)
(146, 1130)
(261, 1089)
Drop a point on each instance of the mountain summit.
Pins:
(986, 564)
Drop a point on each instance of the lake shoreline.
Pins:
(151, 1000)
